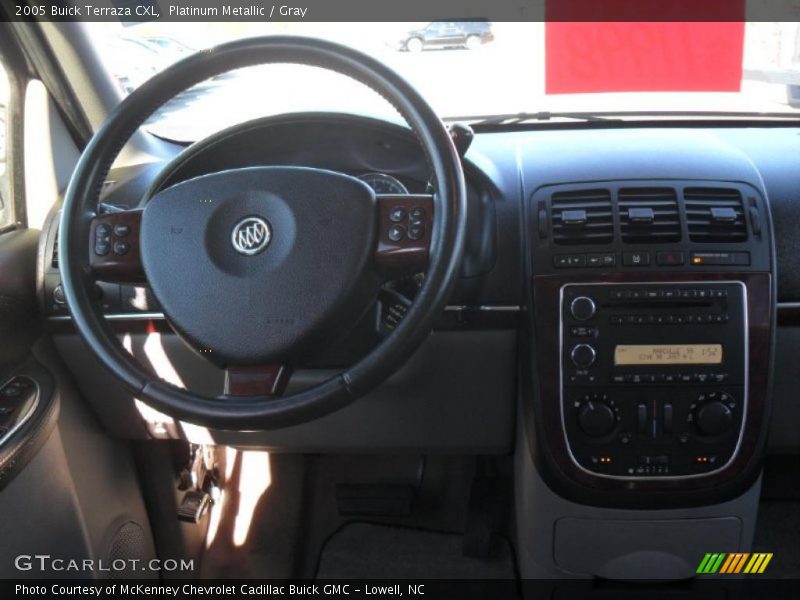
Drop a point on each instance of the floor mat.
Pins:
(366, 550)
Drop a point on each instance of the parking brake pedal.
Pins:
(193, 506)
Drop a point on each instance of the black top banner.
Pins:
(403, 11)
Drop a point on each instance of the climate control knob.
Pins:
(713, 418)
(583, 308)
(596, 418)
(583, 356)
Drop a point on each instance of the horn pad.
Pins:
(261, 265)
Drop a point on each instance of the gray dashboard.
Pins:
(460, 392)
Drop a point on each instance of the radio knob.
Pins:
(583, 308)
(713, 418)
(596, 418)
(583, 356)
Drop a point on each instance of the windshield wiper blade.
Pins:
(514, 118)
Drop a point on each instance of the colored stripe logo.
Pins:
(733, 563)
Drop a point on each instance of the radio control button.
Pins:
(582, 331)
(583, 308)
(583, 356)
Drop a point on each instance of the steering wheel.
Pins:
(256, 268)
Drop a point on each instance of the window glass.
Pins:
(473, 68)
(6, 203)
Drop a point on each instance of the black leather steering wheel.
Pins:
(260, 266)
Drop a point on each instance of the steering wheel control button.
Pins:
(416, 214)
(122, 229)
(102, 248)
(121, 248)
(416, 232)
(397, 233)
(397, 214)
(251, 235)
(103, 232)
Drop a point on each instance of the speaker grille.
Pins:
(128, 543)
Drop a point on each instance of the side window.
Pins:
(6, 201)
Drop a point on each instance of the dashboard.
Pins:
(624, 294)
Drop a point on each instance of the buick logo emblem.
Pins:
(251, 235)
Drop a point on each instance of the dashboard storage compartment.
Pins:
(642, 549)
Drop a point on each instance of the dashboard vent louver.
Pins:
(715, 215)
(582, 217)
(649, 215)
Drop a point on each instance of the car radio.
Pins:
(653, 376)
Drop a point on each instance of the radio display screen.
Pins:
(668, 354)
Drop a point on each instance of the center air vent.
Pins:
(582, 217)
(649, 215)
(715, 215)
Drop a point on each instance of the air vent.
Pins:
(715, 215)
(649, 215)
(582, 217)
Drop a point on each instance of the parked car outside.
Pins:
(448, 34)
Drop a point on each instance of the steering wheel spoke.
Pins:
(114, 247)
(404, 234)
(262, 380)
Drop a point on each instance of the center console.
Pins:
(651, 333)
(653, 377)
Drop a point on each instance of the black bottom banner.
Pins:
(773, 589)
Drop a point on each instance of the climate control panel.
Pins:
(653, 377)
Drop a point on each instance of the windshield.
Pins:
(477, 69)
